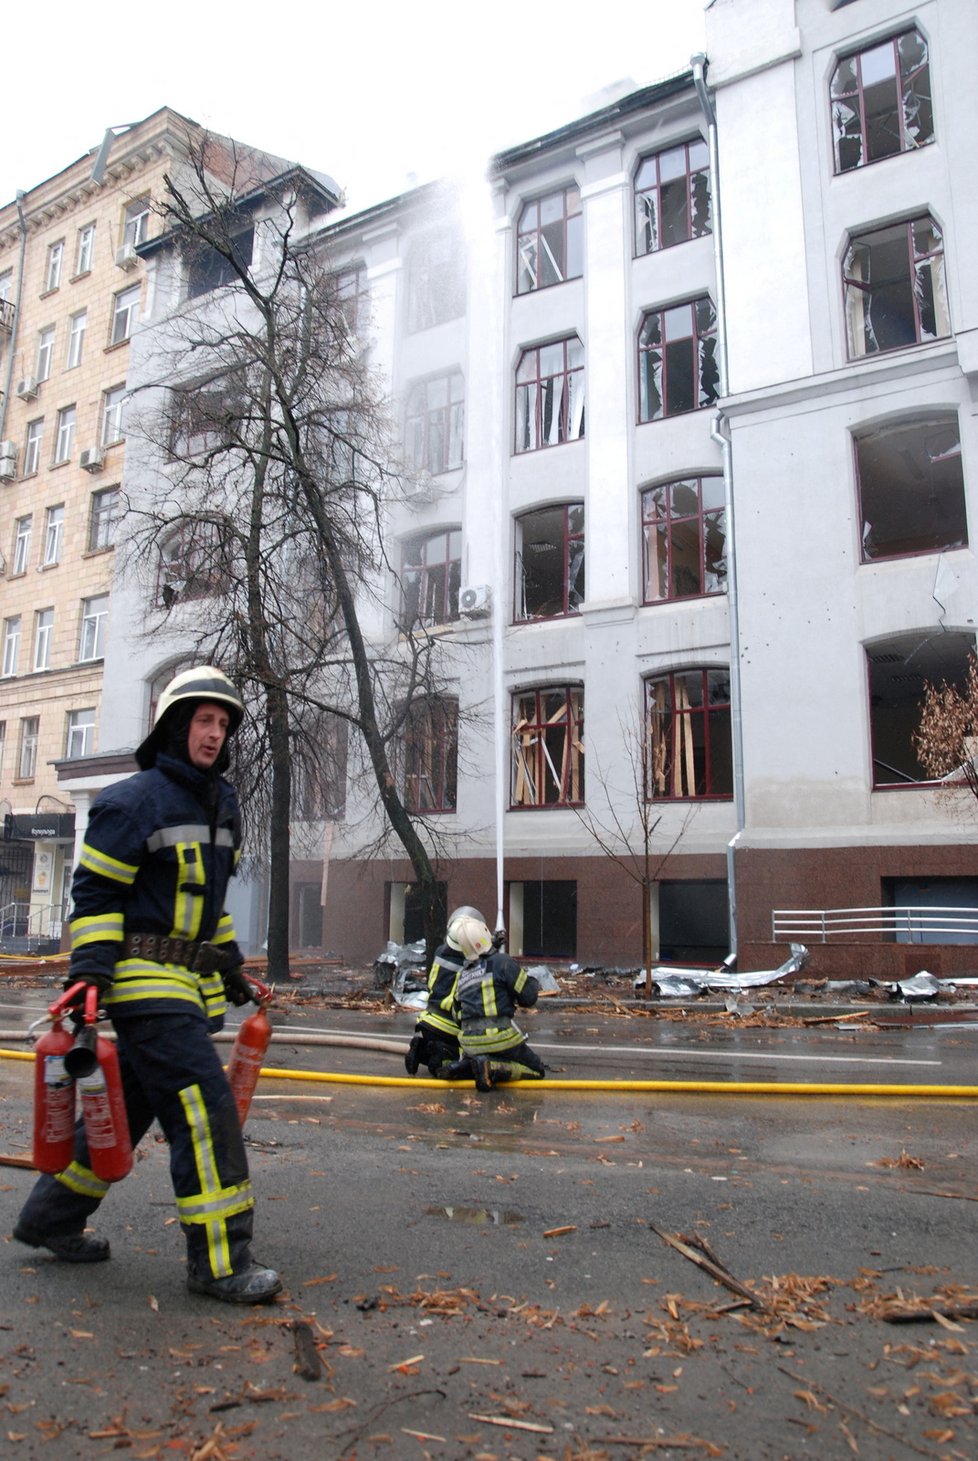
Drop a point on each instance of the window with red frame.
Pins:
(689, 747)
(684, 539)
(550, 241)
(677, 360)
(433, 426)
(672, 197)
(550, 395)
(548, 747)
(431, 756)
(549, 573)
(895, 289)
(881, 101)
(353, 295)
(431, 572)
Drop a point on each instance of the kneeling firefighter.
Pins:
(435, 1039)
(490, 985)
(149, 931)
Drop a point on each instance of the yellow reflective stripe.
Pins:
(520, 980)
(215, 1203)
(489, 1040)
(95, 861)
(137, 979)
(230, 1201)
(188, 907)
(83, 1181)
(225, 930)
(438, 1022)
(489, 998)
(104, 928)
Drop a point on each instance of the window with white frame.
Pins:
(65, 438)
(135, 223)
(11, 645)
(3, 744)
(895, 287)
(45, 352)
(124, 311)
(113, 426)
(54, 527)
(103, 515)
(56, 255)
(30, 730)
(433, 426)
(76, 338)
(32, 447)
(80, 738)
(85, 250)
(22, 544)
(43, 634)
(94, 618)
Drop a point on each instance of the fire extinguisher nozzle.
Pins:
(81, 1059)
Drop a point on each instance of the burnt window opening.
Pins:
(895, 289)
(911, 488)
(436, 282)
(672, 197)
(881, 101)
(684, 539)
(550, 395)
(206, 417)
(434, 421)
(431, 573)
(550, 241)
(430, 748)
(548, 747)
(677, 360)
(209, 269)
(897, 671)
(549, 573)
(195, 562)
(689, 749)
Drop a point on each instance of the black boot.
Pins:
(413, 1057)
(69, 1247)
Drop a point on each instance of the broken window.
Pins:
(550, 241)
(352, 296)
(550, 562)
(195, 561)
(550, 395)
(206, 417)
(689, 745)
(881, 102)
(677, 360)
(898, 669)
(895, 290)
(319, 766)
(672, 197)
(548, 747)
(911, 488)
(431, 755)
(209, 269)
(433, 428)
(684, 539)
(436, 284)
(431, 571)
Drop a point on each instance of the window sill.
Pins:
(116, 345)
(83, 275)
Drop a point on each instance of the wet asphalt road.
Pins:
(487, 1276)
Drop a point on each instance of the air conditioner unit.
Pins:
(8, 468)
(91, 459)
(125, 257)
(421, 489)
(475, 601)
(26, 388)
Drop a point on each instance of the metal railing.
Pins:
(19, 921)
(905, 925)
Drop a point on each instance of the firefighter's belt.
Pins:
(202, 958)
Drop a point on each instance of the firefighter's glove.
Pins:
(89, 980)
(498, 939)
(237, 988)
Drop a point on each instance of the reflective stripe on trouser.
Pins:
(489, 1037)
(171, 1073)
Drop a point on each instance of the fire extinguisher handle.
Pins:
(264, 990)
(68, 998)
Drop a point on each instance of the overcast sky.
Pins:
(370, 93)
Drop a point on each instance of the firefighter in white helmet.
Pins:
(435, 1040)
(489, 987)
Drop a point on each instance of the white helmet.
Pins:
(470, 936)
(205, 682)
(465, 911)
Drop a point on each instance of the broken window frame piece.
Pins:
(677, 363)
(431, 575)
(436, 285)
(897, 669)
(549, 567)
(548, 748)
(672, 198)
(688, 749)
(881, 101)
(550, 241)
(434, 423)
(430, 748)
(550, 394)
(895, 287)
(910, 487)
(684, 539)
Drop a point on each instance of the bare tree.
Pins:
(946, 739)
(261, 536)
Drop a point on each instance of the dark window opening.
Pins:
(414, 911)
(550, 562)
(895, 288)
(898, 669)
(208, 269)
(693, 922)
(431, 756)
(931, 894)
(549, 919)
(911, 489)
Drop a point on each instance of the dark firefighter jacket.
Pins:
(485, 999)
(442, 979)
(160, 849)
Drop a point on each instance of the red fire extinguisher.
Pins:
(54, 1098)
(248, 1052)
(93, 1063)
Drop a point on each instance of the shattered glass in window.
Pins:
(881, 102)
